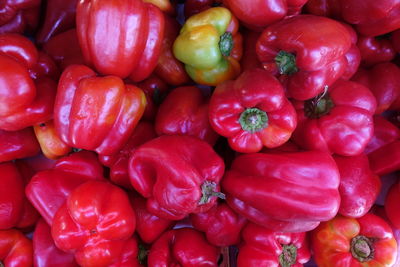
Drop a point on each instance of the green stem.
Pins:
(253, 120)
(288, 256)
(286, 63)
(318, 106)
(226, 44)
(362, 248)
(209, 190)
(142, 255)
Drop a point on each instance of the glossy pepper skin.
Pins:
(339, 121)
(305, 60)
(26, 93)
(285, 192)
(383, 80)
(45, 252)
(11, 195)
(18, 144)
(374, 50)
(385, 159)
(185, 111)
(18, 16)
(263, 247)
(148, 226)
(359, 186)
(221, 225)
(15, 249)
(177, 174)
(121, 38)
(252, 112)
(171, 70)
(210, 46)
(172, 249)
(344, 242)
(49, 189)
(60, 17)
(96, 113)
(96, 215)
(370, 17)
(385, 132)
(392, 205)
(118, 162)
(261, 13)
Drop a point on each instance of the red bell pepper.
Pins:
(395, 38)
(177, 174)
(51, 145)
(384, 82)
(353, 55)
(375, 50)
(285, 192)
(18, 144)
(60, 17)
(263, 247)
(249, 59)
(25, 98)
(15, 249)
(49, 189)
(306, 60)
(221, 225)
(252, 112)
(385, 159)
(18, 16)
(372, 18)
(183, 247)
(359, 186)
(192, 7)
(11, 196)
(261, 13)
(337, 121)
(122, 38)
(118, 162)
(165, 6)
(148, 226)
(392, 203)
(45, 252)
(185, 112)
(367, 241)
(384, 133)
(94, 223)
(326, 8)
(64, 49)
(96, 113)
(168, 68)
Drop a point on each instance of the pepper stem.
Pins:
(142, 255)
(288, 256)
(208, 189)
(318, 106)
(226, 44)
(253, 120)
(286, 63)
(362, 248)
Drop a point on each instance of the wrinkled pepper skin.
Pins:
(168, 68)
(15, 249)
(252, 112)
(263, 247)
(121, 38)
(339, 121)
(96, 113)
(285, 192)
(173, 249)
(45, 252)
(304, 59)
(148, 226)
(261, 13)
(17, 145)
(385, 132)
(64, 49)
(11, 195)
(383, 80)
(94, 223)
(60, 17)
(374, 50)
(221, 225)
(177, 174)
(26, 97)
(370, 17)
(51, 145)
(210, 46)
(392, 201)
(118, 162)
(359, 186)
(185, 111)
(18, 16)
(345, 242)
(49, 189)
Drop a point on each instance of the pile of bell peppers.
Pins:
(218, 133)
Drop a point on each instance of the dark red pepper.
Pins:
(18, 144)
(15, 249)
